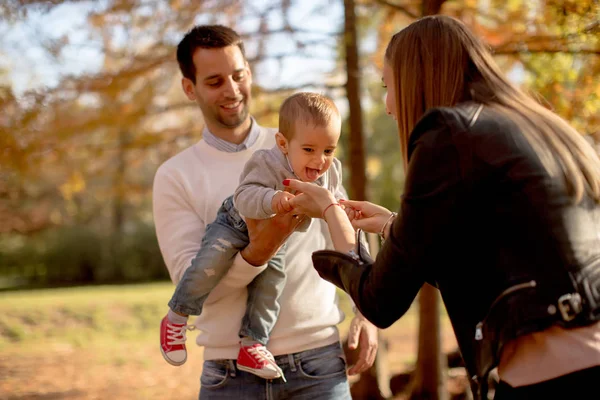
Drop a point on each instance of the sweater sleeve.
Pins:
(179, 231)
(336, 186)
(178, 228)
(258, 181)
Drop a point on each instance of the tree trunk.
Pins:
(429, 379)
(118, 219)
(357, 149)
(431, 7)
(373, 384)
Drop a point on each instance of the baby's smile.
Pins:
(312, 174)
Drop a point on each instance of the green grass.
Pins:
(97, 315)
(76, 316)
(93, 314)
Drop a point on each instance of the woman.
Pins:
(501, 211)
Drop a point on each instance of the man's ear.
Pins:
(282, 142)
(188, 88)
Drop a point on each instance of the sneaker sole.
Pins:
(167, 359)
(256, 372)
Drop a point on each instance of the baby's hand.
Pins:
(281, 202)
(352, 213)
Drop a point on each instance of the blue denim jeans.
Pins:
(317, 374)
(223, 239)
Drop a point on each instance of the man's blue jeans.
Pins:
(317, 374)
(223, 239)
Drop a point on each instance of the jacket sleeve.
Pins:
(384, 290)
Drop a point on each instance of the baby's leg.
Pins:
(261, 315)
(262, 308)
(223, 239)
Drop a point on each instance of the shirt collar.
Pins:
(228, 147)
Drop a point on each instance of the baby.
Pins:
(309, 130)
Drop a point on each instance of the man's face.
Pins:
(222, 88)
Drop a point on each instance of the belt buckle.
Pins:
(569, 305)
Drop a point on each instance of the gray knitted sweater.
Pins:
(263, 176)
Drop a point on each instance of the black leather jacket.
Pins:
(482, 220)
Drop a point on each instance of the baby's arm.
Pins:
(336, 186)
(254, 196)
(338, 189)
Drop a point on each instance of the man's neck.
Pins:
(232, 135)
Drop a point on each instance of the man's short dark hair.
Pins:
(204, 37)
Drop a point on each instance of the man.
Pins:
(188, 190)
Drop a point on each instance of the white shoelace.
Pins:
(177, 333)
(261, 354)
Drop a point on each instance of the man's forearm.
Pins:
(267, 236)
(254, 257)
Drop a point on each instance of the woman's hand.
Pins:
(367, 216)
(310, 199)
(318, 202)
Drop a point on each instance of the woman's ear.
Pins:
(282, 142)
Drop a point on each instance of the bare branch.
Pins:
(281, 56)
(400, 8)
(516, 48)
(553, 40)
(284, 89)
(288, 29)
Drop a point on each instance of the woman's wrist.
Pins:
(385, 229)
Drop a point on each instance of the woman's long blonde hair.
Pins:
(437, 62)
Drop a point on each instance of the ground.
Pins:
(94, 358)
(67, 372)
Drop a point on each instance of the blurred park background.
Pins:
(91, 105)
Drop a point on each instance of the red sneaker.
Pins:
(259, 361)
(172, 341)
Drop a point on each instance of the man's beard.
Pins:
(233, 121)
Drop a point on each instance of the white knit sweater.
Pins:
(188, 190)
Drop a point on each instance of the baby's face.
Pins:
(311, 149)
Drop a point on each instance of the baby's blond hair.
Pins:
(308, 107)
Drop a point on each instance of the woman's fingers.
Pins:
(367, 209)
(360, 223)
(353, 203)
(297, 185)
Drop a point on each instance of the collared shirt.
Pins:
(228, 147)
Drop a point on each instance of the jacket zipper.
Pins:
(506, 292)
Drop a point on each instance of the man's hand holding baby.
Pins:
(281, 202)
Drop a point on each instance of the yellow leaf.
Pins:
(73, 185)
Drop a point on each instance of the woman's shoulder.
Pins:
(436, 124)
(460, 116)
(468, 120)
